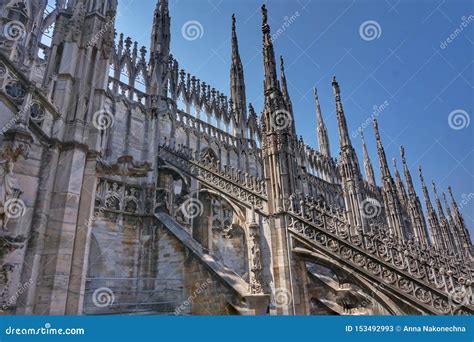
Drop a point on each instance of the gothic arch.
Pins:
(237, 209)
(208, 155)
(381, 298)
(97, 264)
(173, 169)
(221, 228)
(170, 193)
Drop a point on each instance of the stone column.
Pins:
(61, 229)
(32, 261)
(80, 252)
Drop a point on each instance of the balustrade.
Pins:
(438, 281)
(240, 185)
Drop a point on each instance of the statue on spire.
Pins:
(264, 15)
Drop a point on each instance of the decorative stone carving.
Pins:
(37, 112)
(112, 198)
(131, 201)
(255, 262)
(222, 218)
(232, 183)
(5, 280)
(16, 90)
(125, 166)
(412, 270)
(8, 244)
(416, 271)
(8, 193)
(115, 198)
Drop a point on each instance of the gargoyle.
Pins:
(8, 244)
(125, 166)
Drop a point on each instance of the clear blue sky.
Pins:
(405, 67)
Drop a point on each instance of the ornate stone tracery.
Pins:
(243, 197)
(412, 280)
(125, 166)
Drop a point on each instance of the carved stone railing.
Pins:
(239, 185)
(325, 185)
(120, 88)
(189, 121)
(129, 59)
(439, 285)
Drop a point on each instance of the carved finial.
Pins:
(433, 184)
(135, 50)
(283, 84)
(376, 129)
(421, 174)
(369, 170)
(252, 112)
(450, 190)
(143, 54)
(445, 198)
(335, 86)
(128, 45)
(402, 154)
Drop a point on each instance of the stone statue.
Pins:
(264, 14)
(8, 157)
